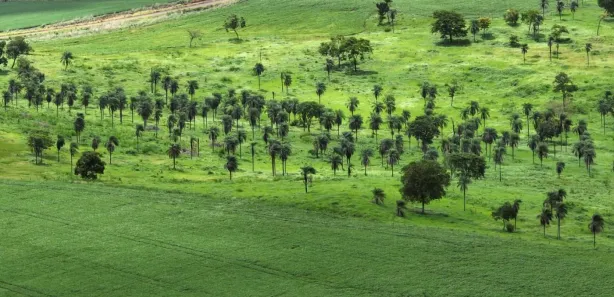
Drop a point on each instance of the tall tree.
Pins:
(259, 70)
(234, 23)
(66, 59)
(232, 165)
(194, 34)
(173, 152)
(110, 145)
(545, 217)
(449, 24)
(59, 144)
(320, 89)
(596, 226)
(560, 211)
(525, 49)
(365, 158)
(588, 47)
(424, 181)
(305, 172)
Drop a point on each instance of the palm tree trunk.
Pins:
(594, 239)
(422, 207)
(464, 199)
(305, 181)
(558, 232)
(544, 230)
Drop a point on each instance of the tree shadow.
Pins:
(458, 42)
(236, 40)
(4, 72)
(488, 36)
(360, 72)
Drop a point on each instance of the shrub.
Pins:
(514, 41)
(89, 165)
(511, 16)
(509, 227)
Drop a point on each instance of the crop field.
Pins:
(130, 242)
(147, 228)
(23, 14)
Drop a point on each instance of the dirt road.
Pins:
(118, 20)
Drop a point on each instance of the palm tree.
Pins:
(173, 152)
(588, 47)
(484, 115)
(66, 59)
(274, 149)
(320, 89)
(543, 5)
(525, 49)
(498, 158)
(232, 165)
(377, 91)
(596, 226)
(559, 168)
(393, 158)
(365, 158)
(560, 5)
(550, 44)
(139, 131)
(489, 136)
(356, 124)
(339, 117)
(390, 104)
(284, 154)
(542, 152)
(378, 196)
(59, 144)
(515, 210)
(335, 162)
(214, 132)
(192, 87)
(287, 79)
(573, 7)
(259, 69)
(544, 218)
(513, 142)
(527, 108)
(167, 81)
(74, 149)
(110, 145)
(560, 213)
(306, 171)
(589, 158)
(352, 105)
(463, 183)
(401, 208)
(253, 151)
(330, 65)
(154, 79)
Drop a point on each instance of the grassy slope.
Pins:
(491, 72)
(88, 240)
(22, 14)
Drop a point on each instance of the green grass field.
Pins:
(153, 230)
(86, 240)
(24, 14)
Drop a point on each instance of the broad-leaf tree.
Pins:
(449, 24)
(424, 181)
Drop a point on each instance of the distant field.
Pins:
(90, 240)
(23, 14)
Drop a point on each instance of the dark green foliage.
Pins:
(89, 166)
(234, 23)
(424, 181)
(449, 24)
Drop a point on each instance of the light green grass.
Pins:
(91, 240)
(24, 14)
(492, 74)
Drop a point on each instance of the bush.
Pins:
(514, 41)
(509, 227)
(511, 16)
(89, 165)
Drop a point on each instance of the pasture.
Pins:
(151, 228)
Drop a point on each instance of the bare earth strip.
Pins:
(118, 20)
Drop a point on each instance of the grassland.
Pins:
(23, 14)
(467, 246)
(126, 242)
